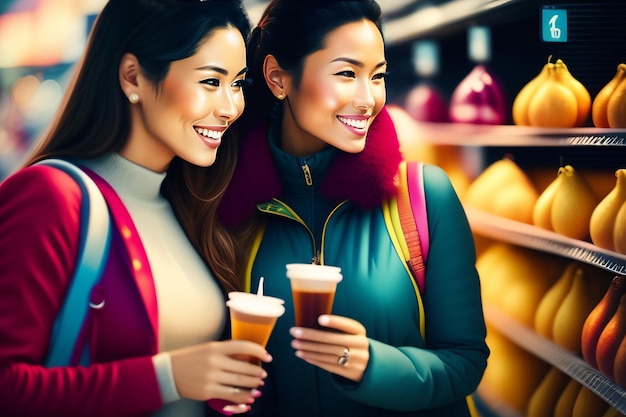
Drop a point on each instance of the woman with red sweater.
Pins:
(160, 83)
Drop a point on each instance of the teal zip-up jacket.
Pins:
(406, 376)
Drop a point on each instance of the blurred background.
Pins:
(434, 43)
(40, 41)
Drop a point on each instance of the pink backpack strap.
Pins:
(412, 213)
(415, 174)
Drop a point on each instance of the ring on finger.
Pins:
(343, 359)
(235, 390)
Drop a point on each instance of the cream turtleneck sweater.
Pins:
(190, 303)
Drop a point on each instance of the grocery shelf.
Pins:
(568, 362)
(522, 234)
(428, 19)
(465, 134)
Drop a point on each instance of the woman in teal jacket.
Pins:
(317, 168)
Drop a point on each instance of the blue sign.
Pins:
(554, 25)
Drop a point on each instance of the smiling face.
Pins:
(200, 97)
(341, 91)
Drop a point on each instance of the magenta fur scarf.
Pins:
(366, 178)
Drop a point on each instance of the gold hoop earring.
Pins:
(133, 98)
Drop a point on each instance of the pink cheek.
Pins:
(194, 104)
(179, 96)
(329, 99)
(317, 94)
(380, 97)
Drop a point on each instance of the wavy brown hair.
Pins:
(195, 205)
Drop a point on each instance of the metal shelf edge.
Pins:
(566, 361)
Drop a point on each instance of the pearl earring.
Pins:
(133, 98)
(281, 96)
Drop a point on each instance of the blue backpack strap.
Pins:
(95, 238)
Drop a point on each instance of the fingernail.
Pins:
(263, 374)
(268, 357)
(255, 393)
(296, 332)
(323, 320)
(236, 408)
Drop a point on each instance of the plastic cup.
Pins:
(313, 290)
(238, 295)
(252, 317)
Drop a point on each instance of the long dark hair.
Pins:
(290, 30)
(94, 118)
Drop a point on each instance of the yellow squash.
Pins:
(602, 222)
(600, 103)
(553, 98)
(573, 204)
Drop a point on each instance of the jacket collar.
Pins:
(366, 178)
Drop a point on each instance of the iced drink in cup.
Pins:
(313, 291)
(252, 317)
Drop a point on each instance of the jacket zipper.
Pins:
(308, 179)
(318, 254)
(280, 208)
(283, 210)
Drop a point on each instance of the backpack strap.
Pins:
(414, 221)
(413, 217)
(94, 241)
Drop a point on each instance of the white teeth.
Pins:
(212, 134)
(358, 124)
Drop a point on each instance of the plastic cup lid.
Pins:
(313, 267)
(260, 308)
(312, 272)
(254, 297)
